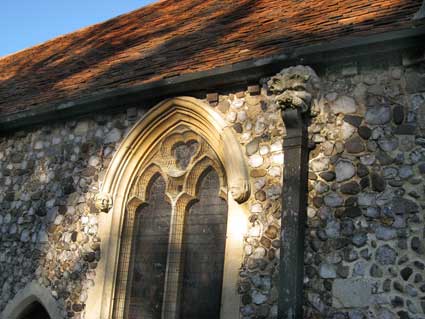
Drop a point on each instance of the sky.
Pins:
(25, 23)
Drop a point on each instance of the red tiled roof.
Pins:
(174, 37)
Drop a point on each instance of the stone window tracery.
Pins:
(174, 233)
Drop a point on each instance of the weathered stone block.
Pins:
(344, 105)
(415, 82)
(378, 115)
(351, 293)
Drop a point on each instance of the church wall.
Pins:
(50, 176)
(48, 221)
(364, 238)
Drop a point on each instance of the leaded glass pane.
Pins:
(203, 248)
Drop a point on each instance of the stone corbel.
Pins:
(103, 202)
(237, 172)
(294, 88)
(240, 190)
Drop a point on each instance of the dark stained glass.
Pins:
(149, 256)
(203, 247)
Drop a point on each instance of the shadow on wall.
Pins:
(118, 54)
(66, 63)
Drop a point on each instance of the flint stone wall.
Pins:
(365, 218)
(49, 178)
(48, 223)
(365, 238)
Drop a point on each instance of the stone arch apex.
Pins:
(31, 293)
(164, 117)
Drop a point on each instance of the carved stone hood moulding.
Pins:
(132, 154)
(216, 132)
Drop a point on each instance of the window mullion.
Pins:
(170, 307)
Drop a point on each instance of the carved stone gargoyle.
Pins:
(293, 87)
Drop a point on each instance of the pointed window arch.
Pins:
(180, 139)
(33, 301)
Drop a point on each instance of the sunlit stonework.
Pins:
(315, 191)
(181, 167)
(293, 87)
(103, 202)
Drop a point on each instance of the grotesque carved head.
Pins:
(103, 202)
(240, 190)
(293, 87)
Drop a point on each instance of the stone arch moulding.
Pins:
(32, 292)
(131, 155)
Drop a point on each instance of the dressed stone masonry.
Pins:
(364, 242)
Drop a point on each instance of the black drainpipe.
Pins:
(293, 218)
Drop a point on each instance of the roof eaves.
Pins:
(241, 72)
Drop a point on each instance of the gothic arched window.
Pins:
(174, 234)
